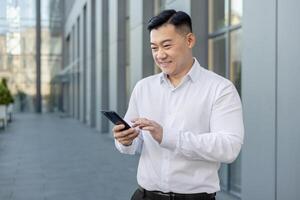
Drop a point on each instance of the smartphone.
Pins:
(115, 118)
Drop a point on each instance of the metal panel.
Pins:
(140, 54)
(117, 52)
(288, 163)
(82, 64)
(101, 64)
(148, 63)
(92, 63)
(259, 99)
(199, 15)
(75, 75)
(179, 5)
(88, 50)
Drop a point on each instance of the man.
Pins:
(186, 120)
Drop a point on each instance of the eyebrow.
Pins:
(167, 40)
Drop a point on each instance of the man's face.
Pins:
(171, 50)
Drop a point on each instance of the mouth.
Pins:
(164, 64)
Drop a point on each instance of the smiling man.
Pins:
(185, 120)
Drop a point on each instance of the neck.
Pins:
(176, 79)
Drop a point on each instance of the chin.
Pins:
(168, 72)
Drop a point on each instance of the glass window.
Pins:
(236, 12)
(217, 55)
(224, 175)
(162, 4)
(225, 58)
(17, 49)
(235, 177)
(218, 14)
(236, 58)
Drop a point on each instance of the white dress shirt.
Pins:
(202, 127)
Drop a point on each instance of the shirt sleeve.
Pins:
(223, 142)
(135, 147)
(132, 112)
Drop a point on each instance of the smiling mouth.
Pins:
(164, 64)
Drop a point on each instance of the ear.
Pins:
(191, 40)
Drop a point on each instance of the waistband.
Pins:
(158, 195)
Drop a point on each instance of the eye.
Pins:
(167, 46)
(154, 48)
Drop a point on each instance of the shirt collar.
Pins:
(193, 74)
(163, 77)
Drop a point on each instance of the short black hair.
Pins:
(179, 19)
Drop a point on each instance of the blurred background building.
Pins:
(18, 50)
(94, 51)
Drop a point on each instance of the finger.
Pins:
(128, 138)
(134, 135)
(126, 142)
(148, 128)
(117, 135)
(118, 128)
(140, 119)
(124, 134)
(145, 121)
(142, 122)
(134, 120)
(128, 132)
(134, 125)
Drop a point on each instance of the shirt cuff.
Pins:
(125, 149)
(170, 138)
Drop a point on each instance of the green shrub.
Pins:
(5, 95)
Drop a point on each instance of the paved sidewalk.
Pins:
(44, 157)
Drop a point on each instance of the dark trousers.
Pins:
(140, 195)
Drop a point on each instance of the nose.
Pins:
(161, 54)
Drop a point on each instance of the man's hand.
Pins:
(125, 137)
(153, 127)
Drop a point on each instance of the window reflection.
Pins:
(224, 175)
(17, 49)
(217, 55)
(236, 58)
(225, 58)
(235, 176)
(236, 12)
(218, 14)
